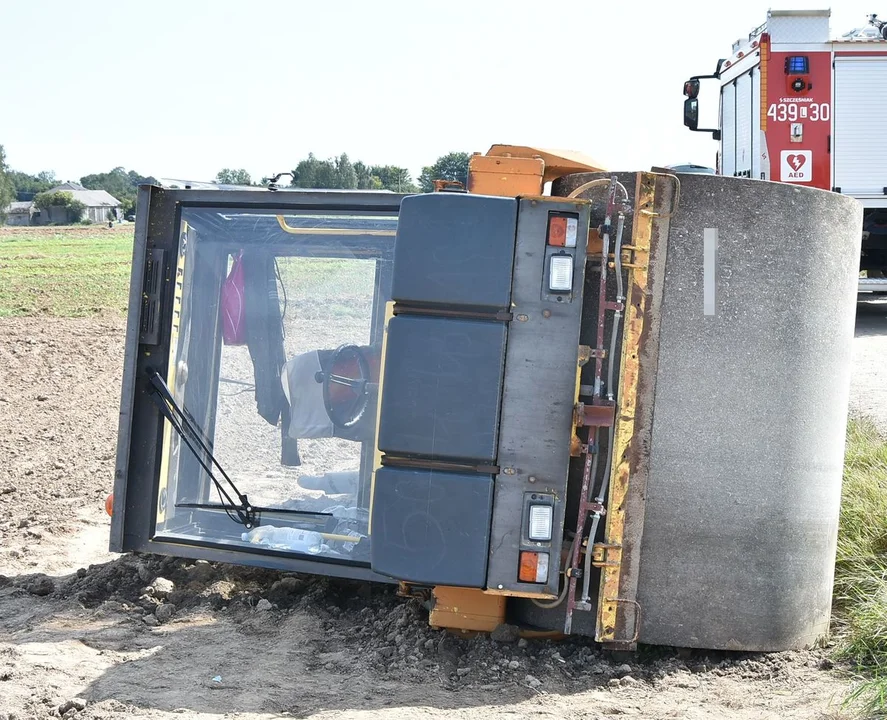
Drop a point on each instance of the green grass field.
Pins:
(65, 272)
(82, 271)
(860, 617)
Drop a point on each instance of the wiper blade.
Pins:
(192, 435)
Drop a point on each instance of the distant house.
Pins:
(99, 204)
(100, 207)
(19, 213)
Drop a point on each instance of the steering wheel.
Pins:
(336, 386)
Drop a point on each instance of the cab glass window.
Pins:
(273, 380)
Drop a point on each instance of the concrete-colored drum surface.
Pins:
(751, 402)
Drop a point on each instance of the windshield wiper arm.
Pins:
(282, 511)
(192, 435)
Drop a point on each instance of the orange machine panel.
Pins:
(557, 162)
(466, 609)
(505, 176)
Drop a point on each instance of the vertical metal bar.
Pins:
(127, 395)
(135, 486)
(168, 475)
(709, 270)
(580, 529)
(377, 454)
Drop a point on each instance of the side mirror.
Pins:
(691, 113)
(691, 104)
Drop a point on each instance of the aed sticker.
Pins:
(796, 166)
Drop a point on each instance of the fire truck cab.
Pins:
(799, 107)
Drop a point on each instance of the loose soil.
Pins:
(65, 230)
(91, 635)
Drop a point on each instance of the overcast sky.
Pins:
(180, 89)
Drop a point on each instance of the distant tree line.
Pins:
(338, 173)
(233, 177)
(120, 183)
(27, 186)
(341, 174)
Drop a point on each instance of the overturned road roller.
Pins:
(581, 402)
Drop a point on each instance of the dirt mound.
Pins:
(388, 634)
(173, 636)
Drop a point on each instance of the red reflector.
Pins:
(529, 561)
(557, 231)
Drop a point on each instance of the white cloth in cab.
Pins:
(308, 416)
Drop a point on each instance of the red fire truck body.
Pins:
(799, 107)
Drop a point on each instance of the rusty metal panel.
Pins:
(595, 415)
(618, 611)
(539, 395)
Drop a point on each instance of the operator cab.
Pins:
(271, 388)
(264, 326)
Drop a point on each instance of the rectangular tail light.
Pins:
(563, 230)
(560, 276)
(540, 522)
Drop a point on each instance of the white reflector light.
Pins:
(572, 232)
(542, 568)
(560, 275)
(540, 522)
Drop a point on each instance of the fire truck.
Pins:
(799, 107)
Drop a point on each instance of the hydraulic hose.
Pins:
(595, 521)
(586, 572)
(620, 290)
(620, 297)
(563, 594)
(594, 183)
